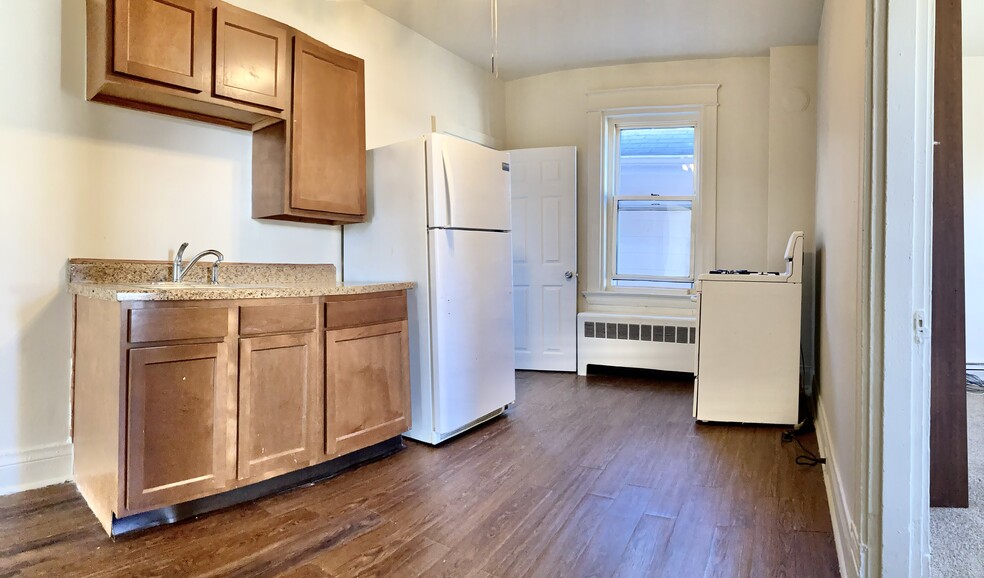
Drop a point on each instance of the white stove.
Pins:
(748, 343)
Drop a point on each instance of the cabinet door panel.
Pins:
(367, 386)
(328, 170)
(176, 426)
(278, 379)
(164, 41)
(250, 58)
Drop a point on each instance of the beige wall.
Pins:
(793, 168)
(83, 179)
(973, 87)
(551, 110)
(840, 150)
(764, 190)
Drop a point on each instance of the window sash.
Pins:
(613, 167)
(615, 276)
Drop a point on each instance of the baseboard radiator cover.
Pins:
(636, 341)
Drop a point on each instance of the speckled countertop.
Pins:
(115, 280)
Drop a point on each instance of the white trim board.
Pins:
(36, 467)
(846, 536)
(897, 213)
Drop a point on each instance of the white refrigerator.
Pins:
(439, 215)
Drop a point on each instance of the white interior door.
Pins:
(544, 217)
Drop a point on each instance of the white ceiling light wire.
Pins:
(495, 37)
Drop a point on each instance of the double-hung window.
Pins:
(653, 167)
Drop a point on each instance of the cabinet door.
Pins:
(278, 383)
(367, 386)
(177, 419)
(164, 41)
(250, 58)
(328, 157)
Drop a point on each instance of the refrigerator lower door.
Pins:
(472, 335)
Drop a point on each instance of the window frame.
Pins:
(653, 117)
(614, 126)
(699, 101)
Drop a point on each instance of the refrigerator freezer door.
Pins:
(469, 185)
(471, 325)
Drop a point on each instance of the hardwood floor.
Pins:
(597, 476)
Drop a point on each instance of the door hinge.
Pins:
(920, 331)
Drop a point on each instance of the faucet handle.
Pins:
(215, 272)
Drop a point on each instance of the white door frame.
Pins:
(895, 284)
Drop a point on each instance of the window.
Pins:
(652, 204)
(645, 250)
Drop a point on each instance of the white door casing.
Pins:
(544, 216)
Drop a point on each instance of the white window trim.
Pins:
(696, 103)
(614, 123)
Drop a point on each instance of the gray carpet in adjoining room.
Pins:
(957, 535)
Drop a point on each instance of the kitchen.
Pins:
(106, 182)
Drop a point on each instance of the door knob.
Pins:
(569, 275)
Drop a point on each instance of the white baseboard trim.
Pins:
(27, 469)
(845, 531)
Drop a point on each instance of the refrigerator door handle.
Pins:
(448, 184)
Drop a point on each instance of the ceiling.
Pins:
(540, 36)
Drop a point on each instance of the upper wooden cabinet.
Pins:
(251, 56)
(328, 169)
(166, 42)
(158, 55)
(209, 61)
(314, 168)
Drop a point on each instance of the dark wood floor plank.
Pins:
(690, 543)
(647, 543)
(523, 548)
(730, 553)
(598, 476)
(562, 553)
(815, 554)
(474, 548)
(604, 550)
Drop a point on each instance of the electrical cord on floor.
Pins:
(807, 458)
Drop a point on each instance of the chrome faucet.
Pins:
(180, 270)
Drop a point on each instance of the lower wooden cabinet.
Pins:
(166, 410)
(367, 385)
(279, 381)
(176, 428)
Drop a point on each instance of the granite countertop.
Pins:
(147, 281)
(195, 291)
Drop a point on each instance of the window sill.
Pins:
(671, 299)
